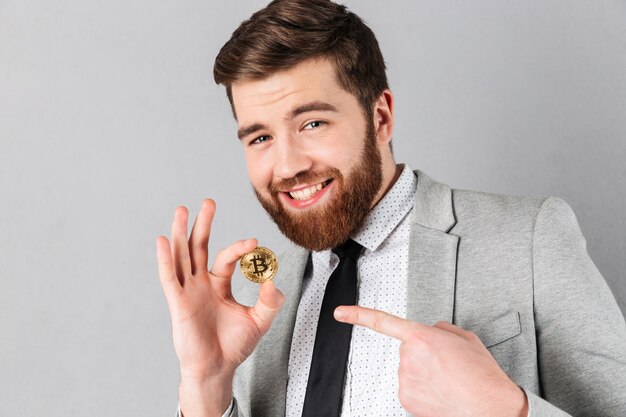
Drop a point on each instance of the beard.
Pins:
(332, 223)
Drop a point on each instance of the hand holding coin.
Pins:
(259, 265)
(212, 332)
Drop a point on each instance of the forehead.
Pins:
(311, 80)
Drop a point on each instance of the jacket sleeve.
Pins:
(580, 330)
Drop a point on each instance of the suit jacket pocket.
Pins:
(498, 329)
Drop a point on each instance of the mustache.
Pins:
(305, 177)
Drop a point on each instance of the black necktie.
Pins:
(332, 339)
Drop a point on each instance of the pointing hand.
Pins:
(444, 370)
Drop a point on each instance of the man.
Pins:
(467, 304)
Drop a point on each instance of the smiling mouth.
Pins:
(308, 192)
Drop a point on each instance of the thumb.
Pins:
(267, 306)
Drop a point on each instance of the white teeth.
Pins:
(305, 193)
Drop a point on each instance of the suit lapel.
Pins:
(271, 356)
(432, 254)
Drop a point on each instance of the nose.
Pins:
(290, 158)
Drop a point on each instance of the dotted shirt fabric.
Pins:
(371, 388)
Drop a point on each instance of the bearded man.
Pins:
(463, 303)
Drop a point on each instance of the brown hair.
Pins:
(288, 32)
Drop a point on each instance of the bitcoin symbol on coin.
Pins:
(260, 265)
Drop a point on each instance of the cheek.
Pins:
(341, 151)
(259, 171)
(344, 158)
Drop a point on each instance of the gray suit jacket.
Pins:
(515, 271)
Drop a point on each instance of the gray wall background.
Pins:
(109, 119)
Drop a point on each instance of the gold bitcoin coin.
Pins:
(260, 265)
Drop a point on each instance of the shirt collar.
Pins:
(385, 216)
(389, 212)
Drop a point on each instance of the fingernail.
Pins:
(340, 313)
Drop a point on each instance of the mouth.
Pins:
(305, 196)
(306, 193)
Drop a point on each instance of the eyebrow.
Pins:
(313, 106)
(248, 130)
(305, 108)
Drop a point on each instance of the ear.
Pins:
(383, 117)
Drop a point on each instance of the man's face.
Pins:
(312, 156)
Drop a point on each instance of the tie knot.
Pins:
(350, 249)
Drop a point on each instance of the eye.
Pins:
(313, 125)
(260, 139)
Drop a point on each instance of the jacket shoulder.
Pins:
(481, 212)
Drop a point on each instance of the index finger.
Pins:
(225, 264)
(377, 320)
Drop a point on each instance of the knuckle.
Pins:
(379, 321)
(197, 247)
(441, 323)
(471, 336)
(415, 338)
(200, 243)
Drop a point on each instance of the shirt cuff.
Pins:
(228, 412)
